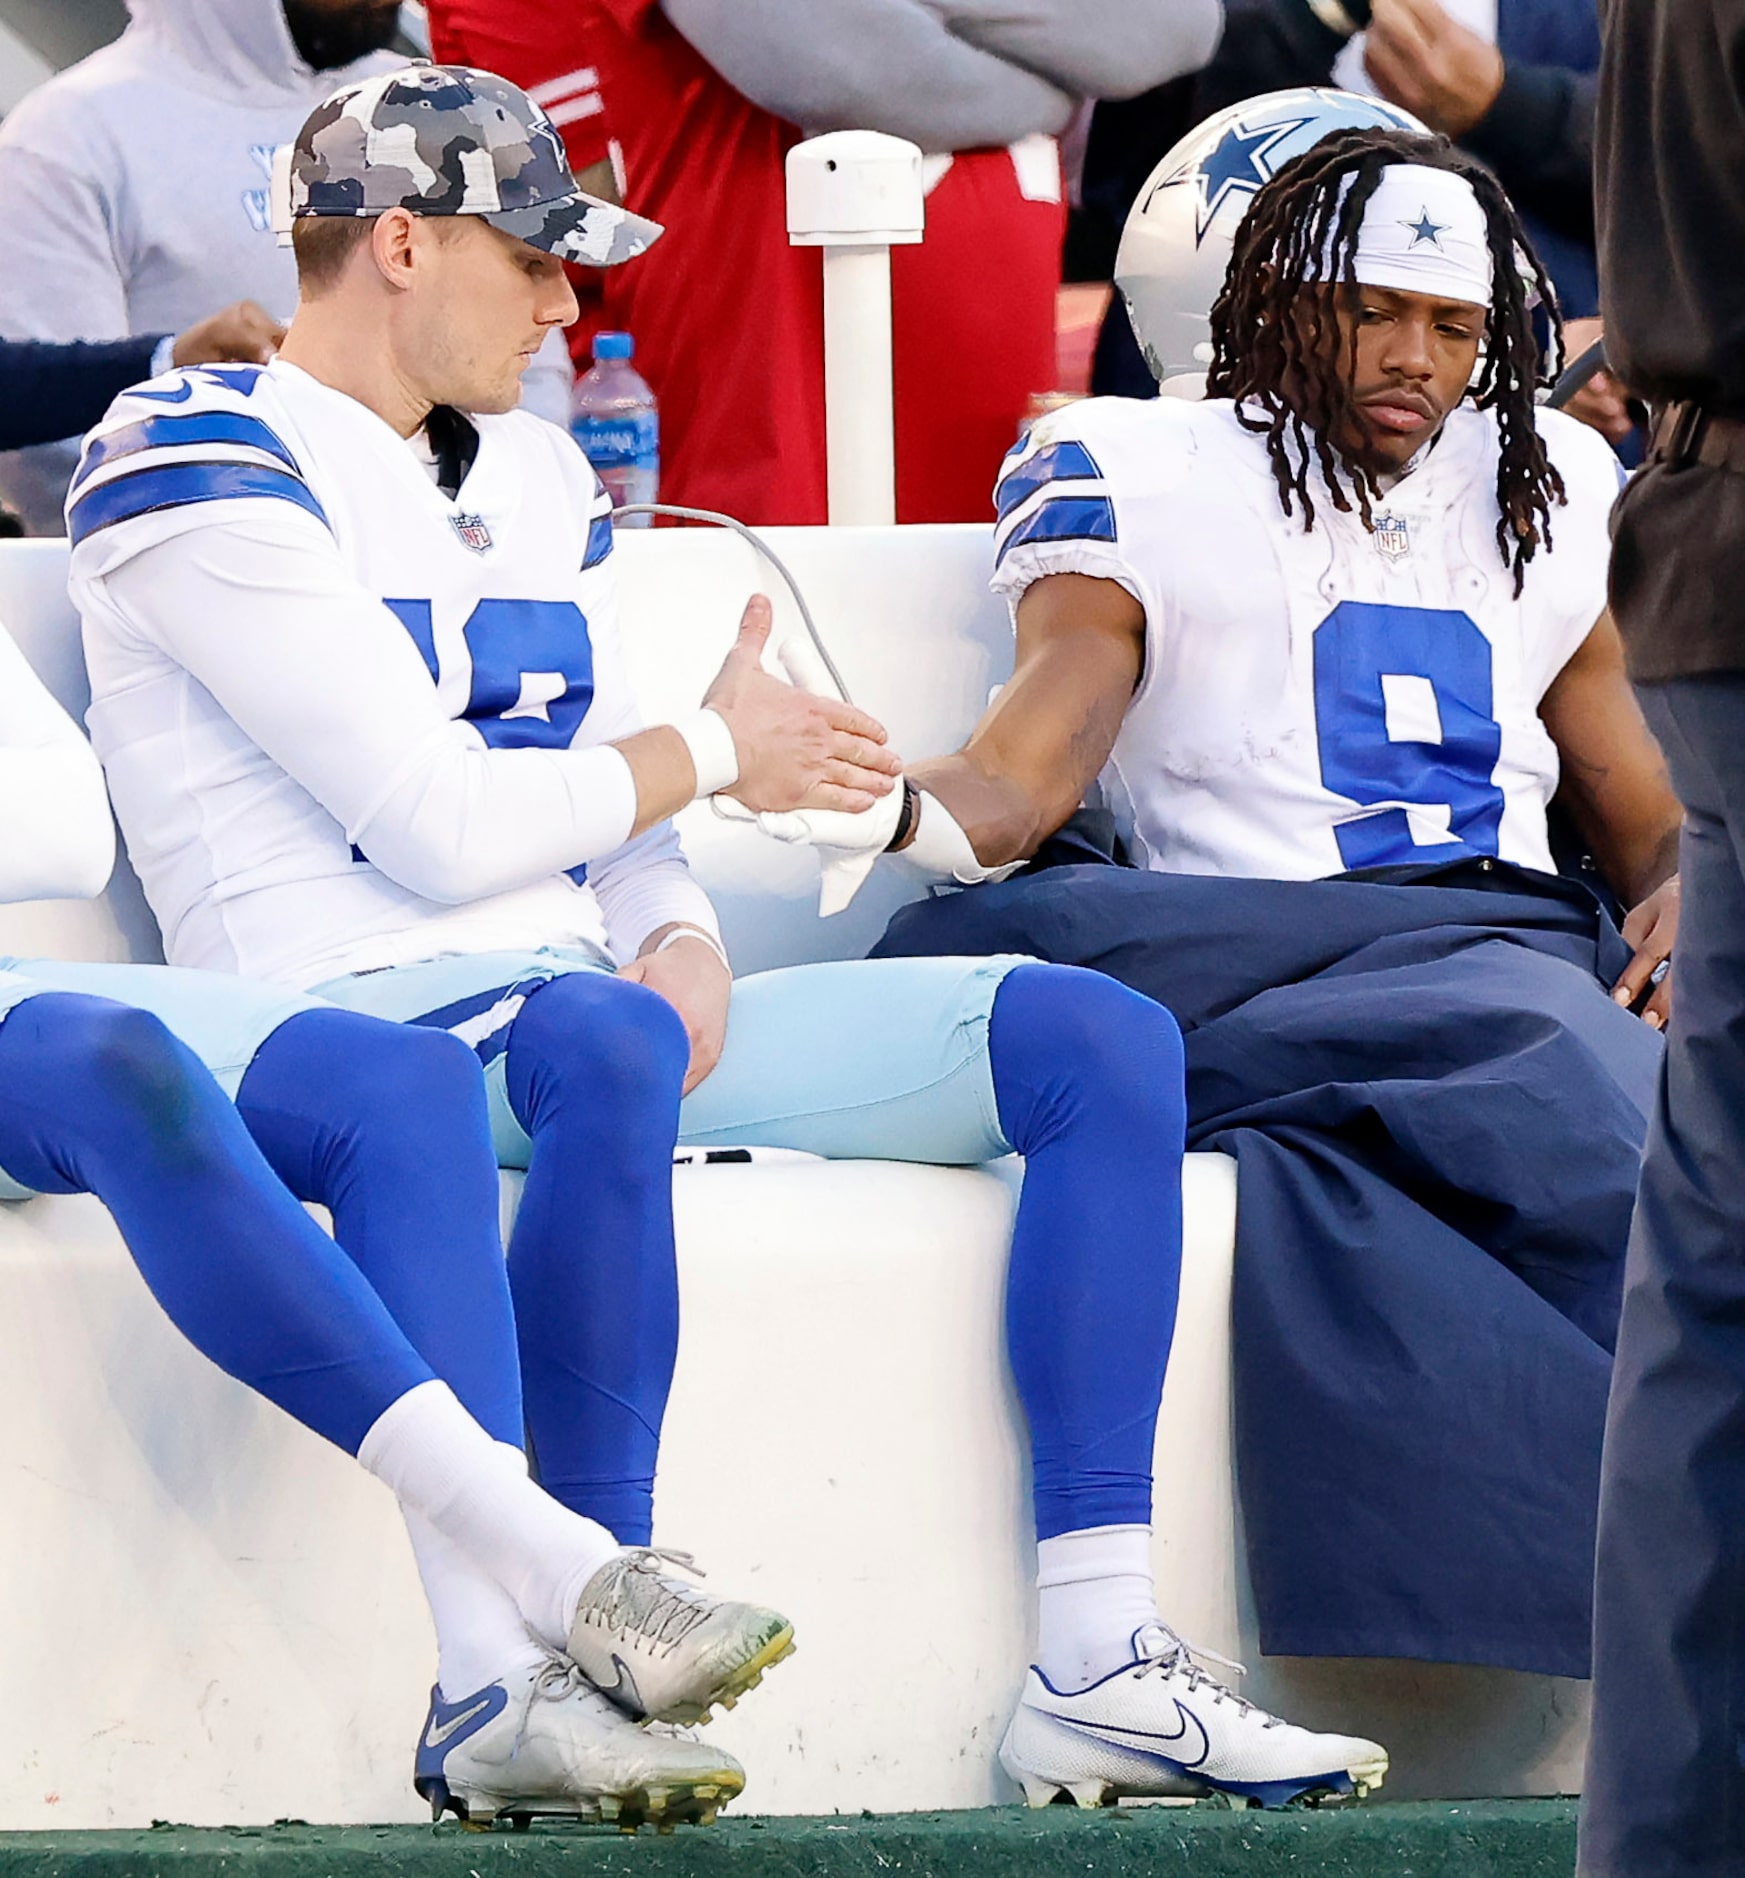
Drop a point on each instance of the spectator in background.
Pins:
(134, 186)
(50, 389)
(1518, 94)
(697, 102)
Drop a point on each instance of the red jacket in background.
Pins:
(728, 319)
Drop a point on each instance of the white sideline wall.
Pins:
(214, 1616)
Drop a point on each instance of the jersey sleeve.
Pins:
(57, 841)
(181, 451)
(1057, 506)
(646, 885)
(323, 678)
(1574, 594)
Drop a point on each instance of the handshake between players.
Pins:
(797, 749)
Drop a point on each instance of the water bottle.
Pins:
(614, 418)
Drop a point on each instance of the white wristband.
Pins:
(694, 932)
(942, 851)
(713, 756)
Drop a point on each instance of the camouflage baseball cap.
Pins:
(446, 140)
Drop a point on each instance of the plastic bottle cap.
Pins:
(613, 345)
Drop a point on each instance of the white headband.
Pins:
(1423, 232)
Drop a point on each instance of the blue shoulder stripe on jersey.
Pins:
(168, 433)
(599, 541)
(1064, 518)
(1056, 464)
(176, 485)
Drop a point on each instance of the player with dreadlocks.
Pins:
(1317, 622)
(1269, 331)
(1345, 616)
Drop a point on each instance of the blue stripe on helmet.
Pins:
(1056, 464)
(168, 433)
(176, 485)
(1064, 518)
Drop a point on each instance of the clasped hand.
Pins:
(797, 749)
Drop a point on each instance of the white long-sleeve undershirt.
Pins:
(322, 678)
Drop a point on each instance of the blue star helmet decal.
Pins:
(1176, 245)
(1238, 164)
(1423, 229)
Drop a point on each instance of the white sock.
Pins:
(441, 1464)
(1094, 1591)
(480, 1635)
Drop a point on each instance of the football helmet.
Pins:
(1176, 244)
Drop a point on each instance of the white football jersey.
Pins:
(1315, 700)
(347, 721)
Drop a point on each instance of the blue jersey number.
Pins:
(1432, 666)
(532, 668)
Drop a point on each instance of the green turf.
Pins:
(1442, 1839)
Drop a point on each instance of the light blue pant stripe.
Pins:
(878, 1059)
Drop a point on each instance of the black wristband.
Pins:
(907, 816)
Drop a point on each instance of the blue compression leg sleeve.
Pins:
(96, 1097)
(386, 1125)
(1088, 1082)
(594, 1071)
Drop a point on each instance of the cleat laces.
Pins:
(558, 1679)
(1175, 1656)
(661, 1609)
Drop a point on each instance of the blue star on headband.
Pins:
(1423, 229)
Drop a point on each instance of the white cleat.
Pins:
(664, 1651)
(546, 1741)
(1162, 1728)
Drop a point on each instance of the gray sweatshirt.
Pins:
(949, 74)
(133, 193)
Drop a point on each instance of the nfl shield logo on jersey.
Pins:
(472, 531)
(1392, 537)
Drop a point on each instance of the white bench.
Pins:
(213, 1617)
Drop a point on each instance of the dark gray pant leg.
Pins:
(1665, 1788)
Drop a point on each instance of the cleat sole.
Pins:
(1090, 1793)
(1346, 1788)
(694, 1803)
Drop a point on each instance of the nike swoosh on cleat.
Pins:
(623, 1690)
(1141, 1739)
(436, 1737)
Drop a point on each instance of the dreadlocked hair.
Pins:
(1271, 335)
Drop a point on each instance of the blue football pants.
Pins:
(384, 1125)
(1087, 1079)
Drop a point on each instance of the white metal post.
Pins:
(856, 194)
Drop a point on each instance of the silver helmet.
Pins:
(1176, 245)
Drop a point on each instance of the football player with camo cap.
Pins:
(443, 140)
